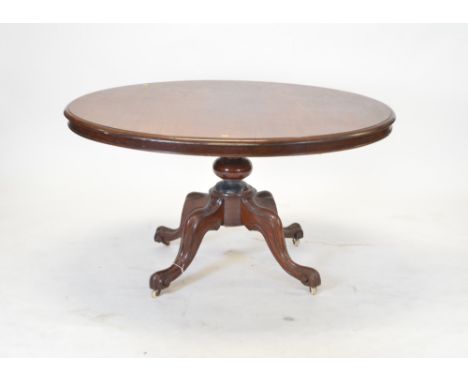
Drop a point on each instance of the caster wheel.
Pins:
(313, 291)
(296, 242)
(155, 293)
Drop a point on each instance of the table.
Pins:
(231, 120)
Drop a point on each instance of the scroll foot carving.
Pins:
(293, 230)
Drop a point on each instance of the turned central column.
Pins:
(232, 168)
(232, 171)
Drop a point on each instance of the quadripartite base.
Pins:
(230, 203)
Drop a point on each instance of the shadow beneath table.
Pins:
(229, 258)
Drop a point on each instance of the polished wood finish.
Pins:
(194, 227)
(230, 118)
(230, 202)
(232, 168)
(193, 201)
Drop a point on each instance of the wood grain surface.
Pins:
(230, 118)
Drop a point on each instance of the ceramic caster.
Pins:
(313, 291)
(155, 293)
(296, 241)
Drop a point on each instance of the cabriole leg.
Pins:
(193, 201)
(195, 226)
(267, 222)
(292, 231)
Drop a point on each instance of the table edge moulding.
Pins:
(231, 147)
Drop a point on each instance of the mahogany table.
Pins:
(232, 120)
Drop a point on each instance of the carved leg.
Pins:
(194, 227)
(265, 220)
(294, 230)
(193, 201)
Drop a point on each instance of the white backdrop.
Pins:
(385, 224)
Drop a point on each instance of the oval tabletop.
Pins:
(230, 118)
